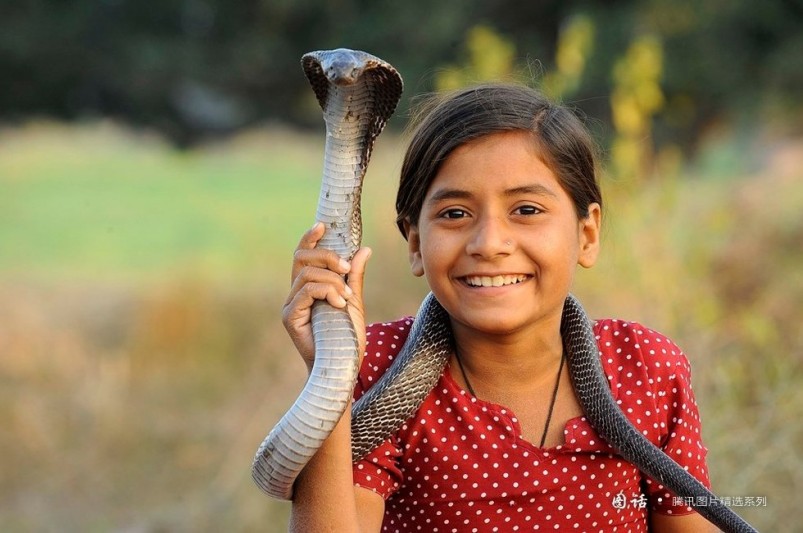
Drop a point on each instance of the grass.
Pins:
(101, 202)
(142, 358)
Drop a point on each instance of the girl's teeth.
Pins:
(495, 281)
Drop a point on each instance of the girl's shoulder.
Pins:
(383, 341)
(649, 376)
(629, 346)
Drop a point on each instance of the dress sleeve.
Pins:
(380, 470)
(681, 439)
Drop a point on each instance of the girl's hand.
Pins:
(317, 275)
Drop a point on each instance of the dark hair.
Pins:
(563, 141)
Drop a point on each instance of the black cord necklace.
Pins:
(551, 402)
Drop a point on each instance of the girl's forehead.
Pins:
(519, 138)
(507, 159)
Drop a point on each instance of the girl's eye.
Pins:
(453, 213)
(528, 210)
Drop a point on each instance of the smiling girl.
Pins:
(499, 202)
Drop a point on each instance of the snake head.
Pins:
(342, 66)
(326, 69)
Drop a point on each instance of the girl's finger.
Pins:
(319, 276)
(319, 258)
(300, 304)
(311, 237)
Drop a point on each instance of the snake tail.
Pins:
(607, 418)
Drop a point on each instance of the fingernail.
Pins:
(349, 292)
(341, 301)
(345, 265)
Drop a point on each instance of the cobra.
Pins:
(357, 93)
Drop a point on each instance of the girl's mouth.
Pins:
(494, 281)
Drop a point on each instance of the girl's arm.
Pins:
(690, 523)
(325, 498)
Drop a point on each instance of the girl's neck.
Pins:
(519, 358)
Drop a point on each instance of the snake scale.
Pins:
(358, 92)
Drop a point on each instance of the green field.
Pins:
(142, 358)
(100, 202)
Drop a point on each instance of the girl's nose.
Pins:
(490, 239)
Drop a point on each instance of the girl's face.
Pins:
(498, 238)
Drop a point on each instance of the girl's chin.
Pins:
(489, 323)
(502, 318)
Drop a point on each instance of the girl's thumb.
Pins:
(357, 272)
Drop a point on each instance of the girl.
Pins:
(498, 202)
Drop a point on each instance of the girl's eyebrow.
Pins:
(449, 194)
(536, 188)
(461, 194)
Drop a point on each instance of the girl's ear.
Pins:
(589, 236)
(414, 249)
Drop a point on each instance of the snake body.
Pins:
(358, 92)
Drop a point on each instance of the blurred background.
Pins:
(159, 161)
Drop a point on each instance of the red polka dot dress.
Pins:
(461, 464)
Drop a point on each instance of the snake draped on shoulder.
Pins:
(357, 93)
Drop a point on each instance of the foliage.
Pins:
(575, 44)
(636, 98)
(490, 57)
(194, 68)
